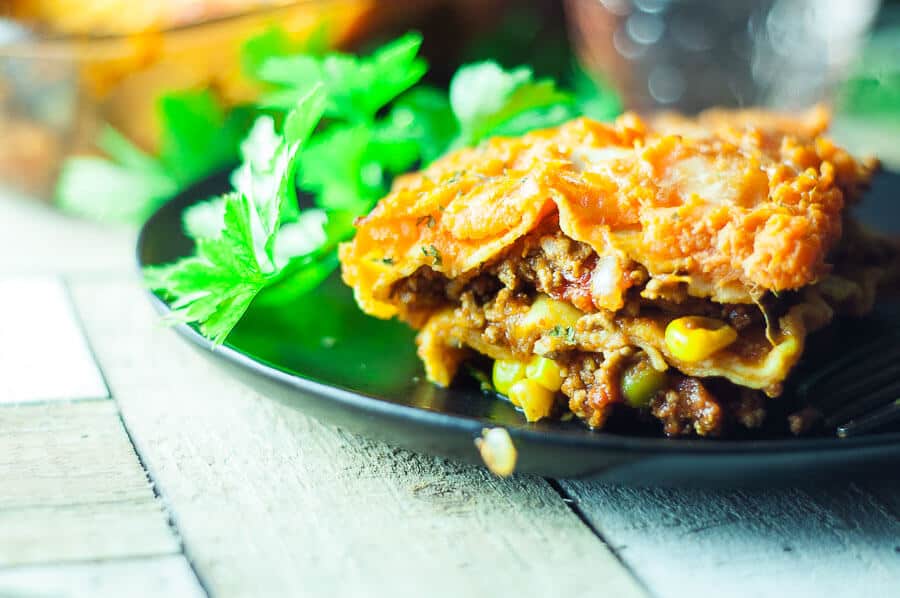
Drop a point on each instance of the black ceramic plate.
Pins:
(331, 361)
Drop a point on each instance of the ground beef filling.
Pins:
(684, 405)
(484, 304)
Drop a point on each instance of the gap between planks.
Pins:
(271, 502)
(44, 354)
(575, 507)
(167, 575)
(197, 581)
(72, 488)
(830, 540)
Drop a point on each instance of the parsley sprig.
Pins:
(348, 125)
(237, 259)
(197, 138)
(358, 87)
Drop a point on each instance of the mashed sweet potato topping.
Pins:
(636, 232)
(739, 213)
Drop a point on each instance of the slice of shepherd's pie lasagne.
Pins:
(674, 266)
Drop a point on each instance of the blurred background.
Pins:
(96, 95)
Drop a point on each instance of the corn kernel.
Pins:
(498, 451)
(545, 372)
(507, 372)
(695, 338)
(546, 312)
(640, 383)
(535, 400)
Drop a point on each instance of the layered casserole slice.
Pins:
(673, 266)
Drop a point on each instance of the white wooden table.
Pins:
(130, 467)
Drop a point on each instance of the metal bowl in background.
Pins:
(688, 55)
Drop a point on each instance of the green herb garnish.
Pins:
(428, 220)
(566, 332)
(358, 87)
(348, 125)
(197, 138)
(432, 252)
(487, 100)
(237, 259)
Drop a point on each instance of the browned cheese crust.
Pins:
(584, 243)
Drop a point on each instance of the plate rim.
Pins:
(581, 439)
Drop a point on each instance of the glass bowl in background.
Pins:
(688, 55)
(59, 89)
(57, 92)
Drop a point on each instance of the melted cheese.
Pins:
(736, 210)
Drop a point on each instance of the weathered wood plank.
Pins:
(64, 454)
(83, 532)
(827, 541)
(885, 495)
(35, 239)
(269, 502)
(71, 487)
(43, 353)
(137, 578)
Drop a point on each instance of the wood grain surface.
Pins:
(270, 502)
(838, 540)
(72, 489)
(43, 354)
(37, 239)
(157, 577)
(211, 489)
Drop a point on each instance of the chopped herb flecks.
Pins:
(336, 126)
(432, 252)
(566, 332)
(427, 219)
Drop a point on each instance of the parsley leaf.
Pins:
(216, 286)
(197, 138)
(357, 87)
(392, 148)
(483, 97)
(238, 259)
(276, 41)
(538, 118)
(334, 168)
(256, 243)
(204, 220)
(596, 97)
(423, 117)
(126, 153)
(300, 238)
(127, 188)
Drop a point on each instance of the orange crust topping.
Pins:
(739, 202)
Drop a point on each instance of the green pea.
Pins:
(640, 383)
